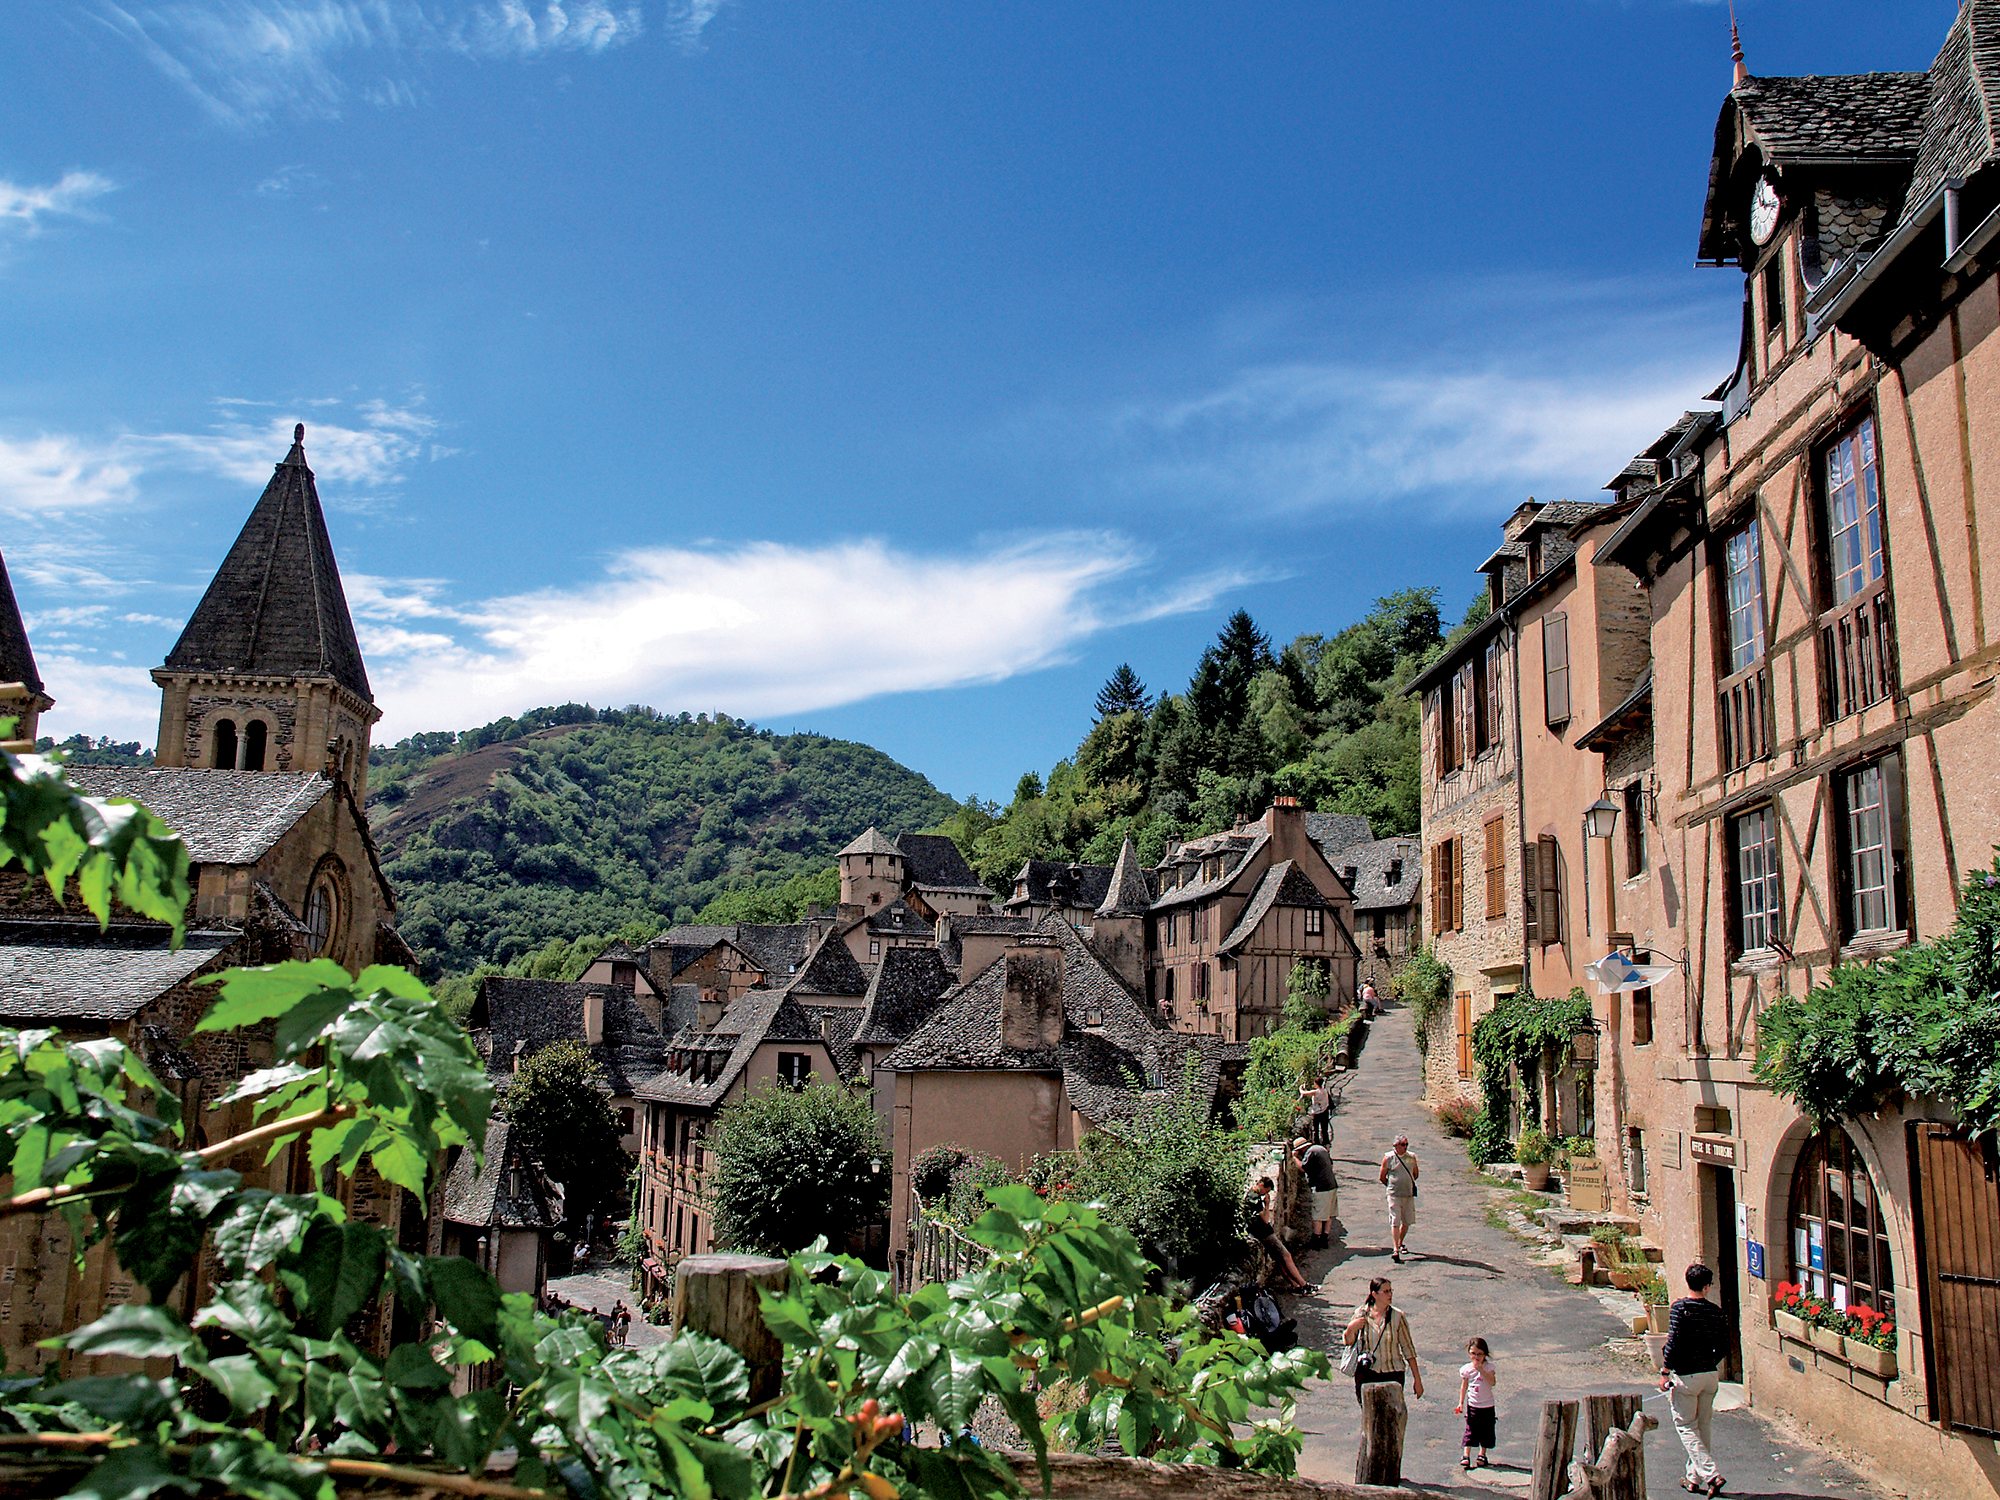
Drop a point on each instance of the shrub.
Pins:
(965, 1194)
(1533, 1149)
(558, 1102)
(930, 1173)
(1654, 1292)
(1458, 1117)
(1424, 985)
(1575, 1146)
(1174, 1179)
(1488, 1142)
(1606, 1234)
(794, 1164)
(1305, 995)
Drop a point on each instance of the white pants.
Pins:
(1692, 1398)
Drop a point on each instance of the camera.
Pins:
(1364, 1361)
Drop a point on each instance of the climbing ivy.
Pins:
(1424, 985)
(1512, 1038)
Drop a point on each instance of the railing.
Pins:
(1743, 717)
(940, 1252)
(1857, 652)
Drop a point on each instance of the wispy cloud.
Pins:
(246, 61)
(23, 206)
(56, 473)
(373, 448)
(758, 629)
(99, 697)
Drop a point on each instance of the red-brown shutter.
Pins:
(1457, 884)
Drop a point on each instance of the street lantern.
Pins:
(1600, 818)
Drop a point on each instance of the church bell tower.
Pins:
(268, 676)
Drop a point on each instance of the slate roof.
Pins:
(1962, 103)
(478, 1196)
(1107, 1068)
(951, 944)
(1058, 882)
(907, 986)
(832, 970)
(17, 657)
(748, 1023)
(874, 841)
(898, 920)
(224, 817)
(1284, 884)
(1854, 117)
(526, 1015)
(933, 862)
(1127, 893)
(1196, 890)
(1373, 862)
(1336, 832)
(619, 952)
(72, 971)
(776, 948)
(834, 1027)
(275, 607)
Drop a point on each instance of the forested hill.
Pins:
(572, 820)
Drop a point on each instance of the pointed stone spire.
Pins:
(1127, 895)
(1736, 46)
(276, 607)
(17, 657)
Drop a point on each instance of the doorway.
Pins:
(1719, 1200)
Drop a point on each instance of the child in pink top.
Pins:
(1476, 1379)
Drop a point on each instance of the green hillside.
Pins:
(573, 820)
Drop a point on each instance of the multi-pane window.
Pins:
(1873, 864)
(1315, 921)
(1555, 669)
(793, 1068)
(1853, 513)
(1743, 575)
(1840, 1244)
(1753, 838)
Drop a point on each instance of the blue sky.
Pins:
(893, 370)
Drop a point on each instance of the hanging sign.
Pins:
(1716, 1150)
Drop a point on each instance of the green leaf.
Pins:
(134, 1331)
(242, 1382)
(956, 1384)
(260, 1226)
(249, 996)
(132, 1474)
(466, 1295)
(702, 1367)
(121, 1400)
(161, 1220)
(334, 1274)
(411, 1367)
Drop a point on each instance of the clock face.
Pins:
(1765, 206)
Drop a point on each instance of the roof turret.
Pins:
(17, 658)
(1128, 895)
(874, 841)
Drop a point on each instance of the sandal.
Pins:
(1465, 1463)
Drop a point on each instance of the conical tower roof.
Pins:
(1128, 895)
(275, 607)
(17, 658)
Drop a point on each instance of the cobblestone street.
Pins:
(600, 1291)
(1466, 1276)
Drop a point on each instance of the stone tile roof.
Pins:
(1961, 122)
(275, 607)
(834, 1027)
(897, 920)
(1856, 117)
(1058, 882)
(620, 952)
(1111, 1055)
(951, 944)
(1128, 893)
(1336, 832)
(1374, 862)
(224, 817)
(874, 841)
(1284, 884)
(907, 986)
(71, 971)
(735, 1037)
(1236, 854)
(832, 970)
(522, 1016)
(778, 948)
(933, 862)
(478, 1196)
(17, 657)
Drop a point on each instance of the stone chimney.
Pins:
(593, 1016)
(1285, 822)
(1031, 1009)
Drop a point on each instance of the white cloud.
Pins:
(759, 629)
(246, 61)
(61, 473)
(99, 698)
(23, 208)
(373, 448)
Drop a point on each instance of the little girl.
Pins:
(1476, 1379)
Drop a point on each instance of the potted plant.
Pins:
(1533, 1151)
(1790, 1310)
(1871, 1341)
(1654, 1294)
(1829, 1329)
(1603, 1252)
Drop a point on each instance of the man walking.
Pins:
(1316, 1162)
(1319, 1110)
(1690, 1371)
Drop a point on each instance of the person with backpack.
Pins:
(1257, 1224)
(1377, 1344)
(1690, 1371)
(1316, 1162)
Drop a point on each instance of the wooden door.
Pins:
(1464, 1033)
(1958, 1249)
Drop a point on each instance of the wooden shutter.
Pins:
(1457, 884)
(1464, 1033)
(1958, 1204)
(1555, 667)
(1496, 869)
(1465, 697)
(1549, 871)
(1495, 717)
(1531, 906)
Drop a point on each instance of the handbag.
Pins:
(1357, 1356)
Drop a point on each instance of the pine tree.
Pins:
(1122, 693)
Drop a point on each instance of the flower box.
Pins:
(1829, 1341)
(1791, 1325)
(1881, 1362)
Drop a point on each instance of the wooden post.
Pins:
(717, 1295)
(1554, 1445)
(1605, 1415)
(1383, 1417)
(1620, 1475)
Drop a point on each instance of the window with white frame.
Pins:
(1743, 575)
(1753, 838)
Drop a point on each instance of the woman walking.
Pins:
(1386, 1347)
(1400, 1170)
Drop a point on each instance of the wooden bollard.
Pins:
(1555, 1442)
(1384, 1414)
(717, 1295)
(1604, 1415)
